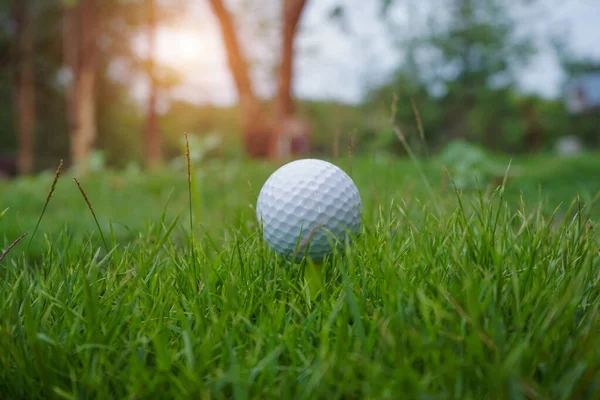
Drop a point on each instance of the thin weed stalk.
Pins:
(189, 176)
(350, 153)
(336, 144)
(3, 213)
(92, 211)
(398, 132)
(419, 124)
(9, 248)
(52, 187)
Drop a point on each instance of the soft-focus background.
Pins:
(116, 83)
(470, 127)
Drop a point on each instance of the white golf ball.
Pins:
(306, 205)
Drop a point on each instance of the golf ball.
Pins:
(306, 206)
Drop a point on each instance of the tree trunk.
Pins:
(26, 110)
(152, 144)
(277, 138)
(291, 135)
(80, 53)
(254, 124)
(70, 57)
(292, 10)
(86, 135)
(25, 87)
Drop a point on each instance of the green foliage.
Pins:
(408, 101)
(585, 125)
(120, 124)
(461, 76)
(70, 3)
(473, 47)
(333, 122)
(479, 40)
(487, 298)
(184, 117)
(470, 165)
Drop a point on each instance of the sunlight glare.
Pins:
(177, 47)
(187, 49)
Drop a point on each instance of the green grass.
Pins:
(489, 293)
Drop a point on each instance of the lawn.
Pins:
(465, 293)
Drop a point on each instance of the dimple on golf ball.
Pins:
(306, 206)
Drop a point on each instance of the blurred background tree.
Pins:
(264, 135)
(585, 125)
(460, 72)
(24, 86)
(81, 32)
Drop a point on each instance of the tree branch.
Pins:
(235, 58)
(292, 11)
